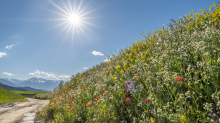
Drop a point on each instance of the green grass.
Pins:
(175, 76)
(29, 92)
(9, 97)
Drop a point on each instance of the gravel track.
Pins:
(16, 113)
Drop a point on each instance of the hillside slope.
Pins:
(7, 96)
(169, 76)
(11, 88)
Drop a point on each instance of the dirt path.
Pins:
(16, 113)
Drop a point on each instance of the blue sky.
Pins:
(35, 43)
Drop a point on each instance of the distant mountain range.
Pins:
(34, 83)
(19, 88)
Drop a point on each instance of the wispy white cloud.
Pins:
(8, 74)
(2, 54)
(9, 47)
(106, 60)
(64, 76)
(43, 74)
(36, 72)
(97, 53)
(85, 68)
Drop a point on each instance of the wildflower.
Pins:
(69, 104)
(146, 101)
(57, 107)
(152, 119)
(87, 104)
(128, 100)
(81, 88)
(137, 74)
(63, 100)
(59, 90)
(130, 86)
(182, 117)
(69, 109)
(179, 79)
(104, 94)
(96, 99)
(74, 109)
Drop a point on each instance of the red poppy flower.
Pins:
(69, 109)
(74, 109)
(57, 107)
(128, 100)
(63, 100)
(180, 79)
(104, 94)
(87, 104)
(95, 100)
(137, 74)
(81, 88)
(69, 104)
(146, 101)
(102, 73)
(59, 90)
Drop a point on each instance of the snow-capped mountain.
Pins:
(40, 83)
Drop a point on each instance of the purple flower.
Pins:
(143, 76)
(130, 85)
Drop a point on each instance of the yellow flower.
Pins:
(182, 117)
(152, 119)
(122, 72)
(118, 66)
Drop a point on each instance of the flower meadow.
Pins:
(169, 76)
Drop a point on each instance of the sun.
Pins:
(73, 17)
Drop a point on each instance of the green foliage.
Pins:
(7, 96)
